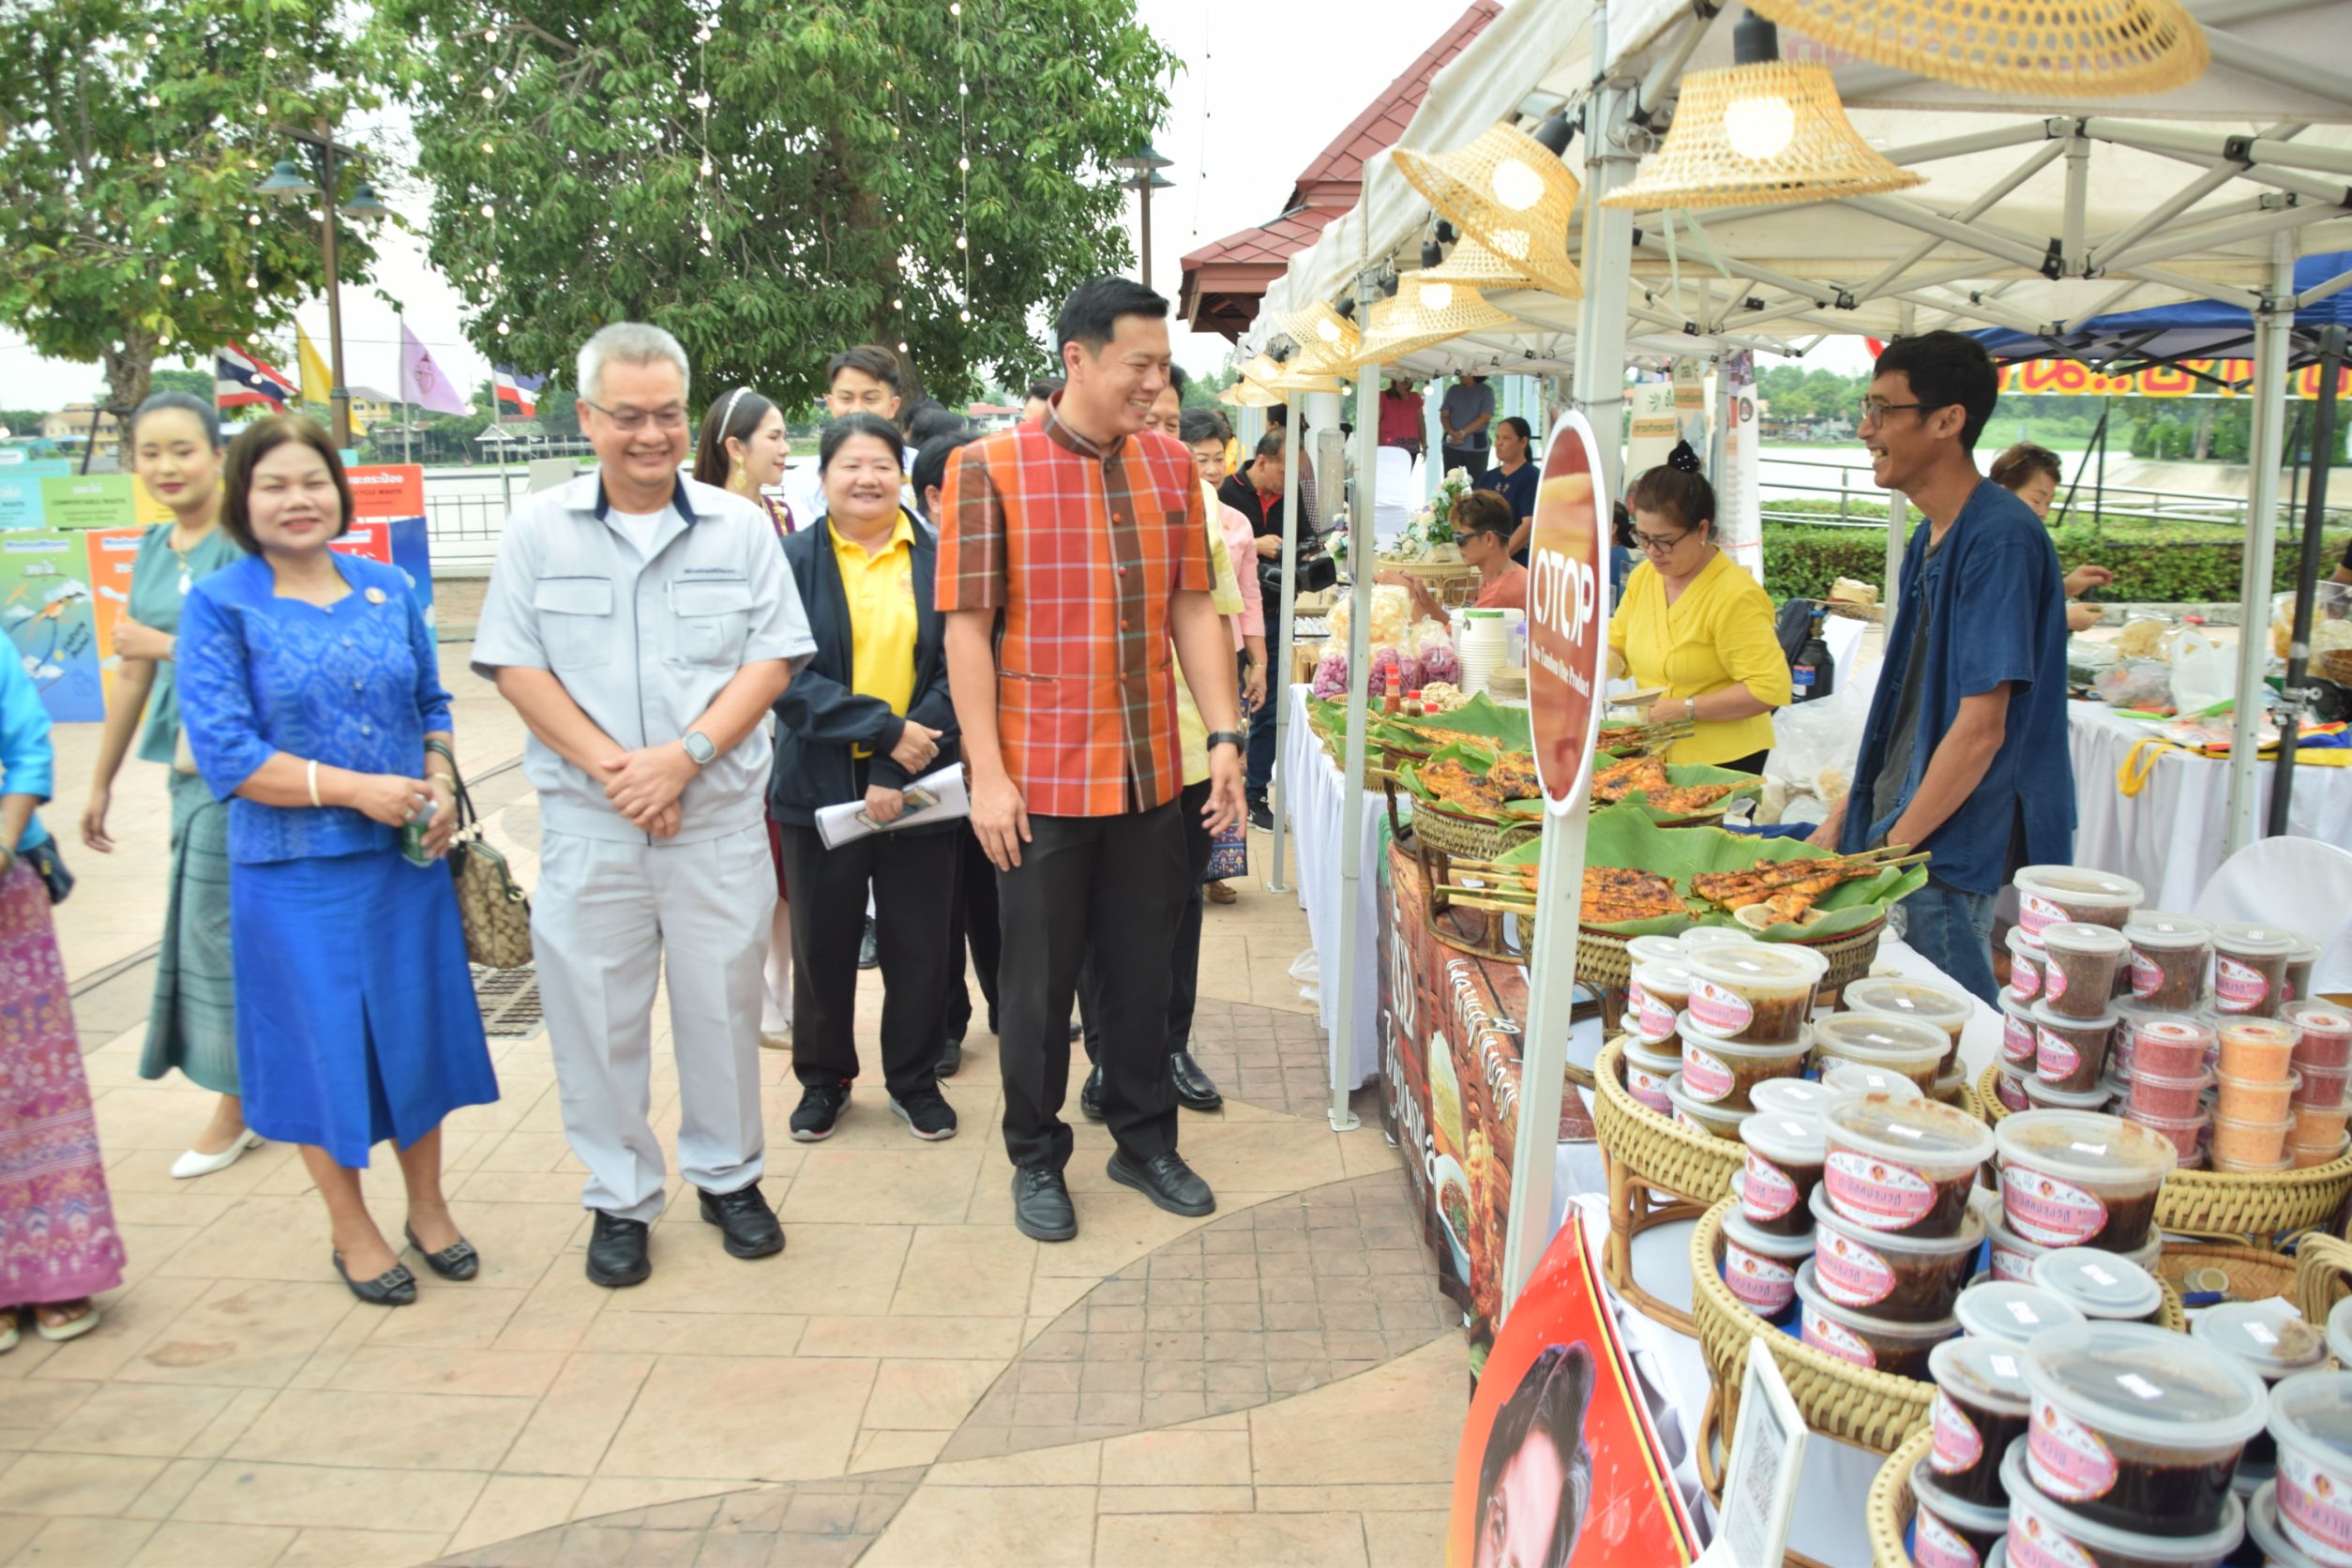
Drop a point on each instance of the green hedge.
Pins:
(2153, 563)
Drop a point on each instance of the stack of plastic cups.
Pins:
(2323, 1063)
(2253, 1111)
(1657, 990)
(1486, 647)
(2168, 1081)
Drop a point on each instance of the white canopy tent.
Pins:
(2033, 214)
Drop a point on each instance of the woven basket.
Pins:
(1659, 1171)
(1701, 164)
(1888, 1506)
(1601, 958)
(1510, 193)
(2245, 1274)
(2323, 1276)
(2037, 48)
(1402, 326)
(1469, 838)
(2223, 1206)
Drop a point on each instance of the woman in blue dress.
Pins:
(311, 694)
(175, 442)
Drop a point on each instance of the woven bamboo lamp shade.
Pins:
(1474, 265)
(1327, 340)
(1510, 193)
(1406, 326)
(2086, 48)
(1757, 134)
(1297, 380)
(1247, 394)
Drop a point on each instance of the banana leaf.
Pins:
(1507, 727)
(1623, 836)
(1689, 775)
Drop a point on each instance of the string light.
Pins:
(964, 160)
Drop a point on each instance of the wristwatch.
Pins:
(699, 747)
(1237, 739)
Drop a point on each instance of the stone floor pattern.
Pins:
(912, 1382)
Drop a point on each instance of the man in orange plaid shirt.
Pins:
(1072, 553)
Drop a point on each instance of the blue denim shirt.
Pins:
(1998, 615)
(351, 684)
(28, 761)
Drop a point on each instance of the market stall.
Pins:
(1313, 792)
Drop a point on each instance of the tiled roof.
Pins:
(1273, 242)
(1385, 118)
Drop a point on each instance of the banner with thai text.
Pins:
(2189, 378)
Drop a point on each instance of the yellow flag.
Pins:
(317, 386)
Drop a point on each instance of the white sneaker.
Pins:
(193, 1164)
(777, 1039)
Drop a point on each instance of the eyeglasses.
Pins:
(631, 420)
(1875, 409)
(1658, 544)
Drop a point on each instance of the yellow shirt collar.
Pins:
(849, 549)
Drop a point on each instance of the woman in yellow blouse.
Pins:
(1695, 623)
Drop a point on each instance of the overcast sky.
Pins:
(1241, 125)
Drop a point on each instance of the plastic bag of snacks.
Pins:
(1330, 682)
(1438, 660)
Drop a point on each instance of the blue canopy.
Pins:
(2128, 340)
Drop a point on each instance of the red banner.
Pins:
(2211, 378)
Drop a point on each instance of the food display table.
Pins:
(1314, 796)
(2170, 837)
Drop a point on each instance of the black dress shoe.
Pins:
(394, 1287)
(1091, 1094)
(616, 1251)
(951, 1057)
(1077, 1030)
(869, 949)
(457, 1261)
(1041, 1205)
(1194, 1089)
(1167, 1181)
(750, 1225)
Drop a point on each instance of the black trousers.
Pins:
(1753, 762)
(976, 931)
(1183, 964)
(1472, 459)
(911, 923)
(1111, 888)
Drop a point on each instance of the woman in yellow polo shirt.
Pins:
(1695, 623)
(866, 717)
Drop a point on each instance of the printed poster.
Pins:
(45, 604)
(89, 501)
(21, 490)
(1739, 512)
(370, 539)
(1651, 430)
(1560, 1464)
(112, 553)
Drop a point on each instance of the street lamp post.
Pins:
(1144, 165)
(287, 183)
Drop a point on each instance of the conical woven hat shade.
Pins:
(1294, 381)
(1327, 340)
(1403, 325)
(1481, 269)
(1702, 164)
(1247, 394)
(2088, 48)
(1511, 194)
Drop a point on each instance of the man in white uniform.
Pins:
(642, 624)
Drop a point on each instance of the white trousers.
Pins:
(606, 922)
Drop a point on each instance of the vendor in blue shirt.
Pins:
(1964, 753)
(1513, 479)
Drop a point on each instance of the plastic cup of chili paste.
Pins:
(1653, 949)
(1904, 1279)
(2138, 1428)
(2250, 969)
(1663, 990)
(1721, 1072)
(2080, 978)
(2303, 1156)
(2170, 954)
(2027, 960)
(2188, 1135)
(1783, 1167)
(2255, 1099)
(1758, 994)
(2274, 1347)
(1948, 1530)
(2017, 1042)
(1759, 1267)
(2072, 1179)
(2099, 1284)
(1647, 1072)
(2327, 1034)
(1899, 1045)
(1981, 1407)
(2009, 1087)
(2264, 1529)
(1899, 996)
(2258, 1050)
(2168, 1046)
(2047, 894)
(2049, 1097)
(1903, 1167)
(1700, 938)
(2300, 964)
(1718, 1120)
(2321, 1088)
(2070, 1053)
(1861, 1339)
(2311, 1418)
(2014, 1257)
(2152, 1097)
(2047, 1535)
(2010, 1311)
(1852, 1081)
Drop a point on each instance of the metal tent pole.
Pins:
(1433, 435)
(1898, 505)
(1278, 678)
(2274, 324)
(1361, 554)
(2323, 445)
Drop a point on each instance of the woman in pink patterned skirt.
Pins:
(59, 1242)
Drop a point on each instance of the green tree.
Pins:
(133, 136)
(196, 383)
(773, 184)
(22, 421)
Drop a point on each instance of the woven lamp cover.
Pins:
(1820, 157)
(2088, 48)
(1402, 325)
(1262, 368)
(1511, 194)
(1327, 340)
(1481, 269)
(1296, 380)
(1247, 394)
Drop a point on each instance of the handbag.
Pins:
(1229, 855)
(50, 866)
(492, 905)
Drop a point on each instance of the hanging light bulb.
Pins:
(487, 95)
(490, 35)
(897, 304)
(486, 146)
(269, 51)
(1328, 331)
(501, 326)
(707, 233)
(494, 269)
(1436, 296)
(251, 281)
(253, 220)
(962, 244)
(1759, 127)
(706, 166)
(158, 160)
(964, 165)
(902, 345)
(150, 40)
(490, 209)
(1517, 186)
(963, 315)
(165, 279)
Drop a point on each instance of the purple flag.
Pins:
(422, 382)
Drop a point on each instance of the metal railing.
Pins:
(1853, 489)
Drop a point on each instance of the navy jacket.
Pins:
(819, 719)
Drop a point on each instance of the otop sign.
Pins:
(1566, 627)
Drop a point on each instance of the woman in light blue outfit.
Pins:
(175, 447)
(312, 693)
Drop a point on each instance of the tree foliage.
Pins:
(133, 136)
(567, 155)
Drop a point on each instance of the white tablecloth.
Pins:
(1313, 795)
(2169, 837)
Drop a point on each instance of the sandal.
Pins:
(457, 1261)
(394, 1287)
(72, 1328)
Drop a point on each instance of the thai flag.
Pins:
(513, 386)
(242, 377)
